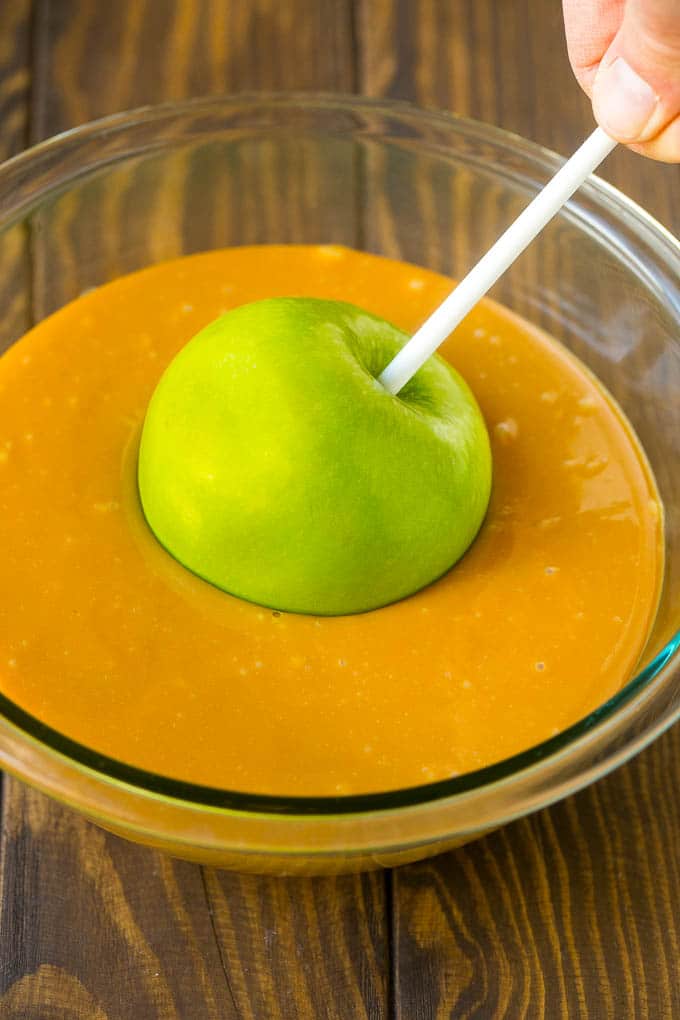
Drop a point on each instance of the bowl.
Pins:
(156, 183)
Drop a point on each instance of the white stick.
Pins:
(509, 245)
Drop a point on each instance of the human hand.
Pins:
(626, 57)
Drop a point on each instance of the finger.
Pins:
(636, 91)
(590, 26)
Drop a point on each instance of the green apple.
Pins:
(275, 465)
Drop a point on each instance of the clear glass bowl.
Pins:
(119, 194)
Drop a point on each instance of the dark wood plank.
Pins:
(15, 83)
(571, 913)
(15, 76)
(280, 956)
(100, 58)
(574, 912)
(92, 926)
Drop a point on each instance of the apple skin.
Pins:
(274, 465)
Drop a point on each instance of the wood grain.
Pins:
(99, 58)
(97, 927)
(15, 76)
(572, 913)
(15, 83)
(279, 955)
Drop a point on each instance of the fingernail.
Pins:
(623, 101)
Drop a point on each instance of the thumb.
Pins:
(636, 91)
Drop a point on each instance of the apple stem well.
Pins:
(497, 260)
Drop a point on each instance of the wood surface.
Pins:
(573, 912)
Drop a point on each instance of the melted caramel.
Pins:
(106, 638)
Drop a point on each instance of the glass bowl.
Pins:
(140, 187)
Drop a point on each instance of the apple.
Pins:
(274, 464)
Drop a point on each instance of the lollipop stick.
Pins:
(509, 245)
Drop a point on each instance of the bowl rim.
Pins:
(499, 774)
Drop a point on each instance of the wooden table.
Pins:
(574, 912)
